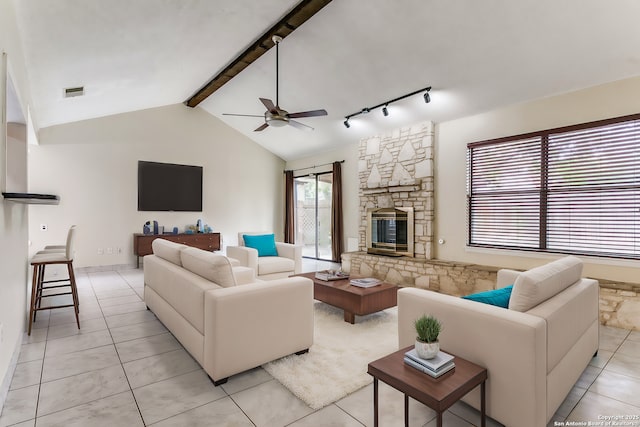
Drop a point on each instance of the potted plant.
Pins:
(428, 328)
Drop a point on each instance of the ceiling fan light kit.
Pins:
(276, 116)
(384, 105)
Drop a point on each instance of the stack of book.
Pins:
(331, 275)
(365, 283)
(435, 367)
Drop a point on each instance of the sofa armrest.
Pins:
(248, 257)
(506, 277)
(511, 345)
(249, 325)
(291, 251)
(244, 275)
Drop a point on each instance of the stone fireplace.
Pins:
(396, 172)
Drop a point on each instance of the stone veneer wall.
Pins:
(619, 302)
(396, 170)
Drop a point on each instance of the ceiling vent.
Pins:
(71, 92)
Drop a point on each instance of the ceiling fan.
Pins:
(276, 116)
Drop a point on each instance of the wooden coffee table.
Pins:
(437, 393)
(352, 299)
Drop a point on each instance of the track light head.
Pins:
(346, 124)
(427, 97)
(365, 110)
(385, 112)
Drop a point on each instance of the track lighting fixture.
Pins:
(384, 105)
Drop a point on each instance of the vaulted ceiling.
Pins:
(477, 55)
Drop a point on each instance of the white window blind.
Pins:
(569, 190)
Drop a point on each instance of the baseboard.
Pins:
(6, 381)
(100, 268)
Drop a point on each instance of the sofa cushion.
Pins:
(541, 283)
(265, 244)
(167, 250)
(214, 267)
(498, 297)
(275, 264)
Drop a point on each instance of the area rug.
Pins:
(336, 364)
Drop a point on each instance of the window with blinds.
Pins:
(569, 190)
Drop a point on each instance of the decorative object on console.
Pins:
(428, 329)
(146, 228)
(155, 227)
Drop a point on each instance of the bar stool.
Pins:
(39, 262)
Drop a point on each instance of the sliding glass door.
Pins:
(313, 214)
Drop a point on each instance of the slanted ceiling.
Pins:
(298, 16)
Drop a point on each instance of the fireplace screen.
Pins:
(390, 231)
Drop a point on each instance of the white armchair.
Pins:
(288, 261)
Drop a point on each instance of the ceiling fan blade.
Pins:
(269, 104)
(313, 113)
(261, 127)
(299, 125)
(243, 115)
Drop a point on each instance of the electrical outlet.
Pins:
(44, 227)
(110, 251)
(100, 251)
(119, 250)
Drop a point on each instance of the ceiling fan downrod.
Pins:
(276, 40)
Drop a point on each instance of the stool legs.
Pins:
(34, 293)
(38, 288)
(74, 292)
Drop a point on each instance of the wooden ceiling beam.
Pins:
(292, 20)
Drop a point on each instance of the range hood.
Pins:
(32, 198)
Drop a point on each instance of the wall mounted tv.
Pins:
(169, 187)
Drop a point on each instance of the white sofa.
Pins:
(225, 323)
(534, 351)
(287, 263)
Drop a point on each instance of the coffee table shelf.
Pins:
(437, 393)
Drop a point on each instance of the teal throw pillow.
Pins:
(498, 297)
(265, 244)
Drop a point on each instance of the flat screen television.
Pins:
(169, 187)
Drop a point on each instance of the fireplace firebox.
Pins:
(390, 231)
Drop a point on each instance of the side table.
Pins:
(437, 393)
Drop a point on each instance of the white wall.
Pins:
(92, 166)
(13, 216)
(350, 182)
(601, 102)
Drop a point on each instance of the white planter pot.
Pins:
(427, 350)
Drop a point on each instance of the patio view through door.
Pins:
(313, 195)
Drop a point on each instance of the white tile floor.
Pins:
(123, 368)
